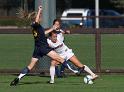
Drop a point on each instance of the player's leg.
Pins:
(52, 71)
(62, 68)
(25, 71)
(57, 71)
(67, 55)
(74, 60)
(57, 58)
(70, 67)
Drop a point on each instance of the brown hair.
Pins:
(53, 32)
(57, 20)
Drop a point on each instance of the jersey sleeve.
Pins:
(61, 30)
(49, 43)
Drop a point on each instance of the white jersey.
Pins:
(60, 48)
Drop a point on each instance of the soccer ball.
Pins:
(88, 79)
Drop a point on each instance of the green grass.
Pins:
(113, 51)
(16, 49)
(83, 46)
(106, 83)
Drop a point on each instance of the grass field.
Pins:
(16, 51)
(106, 83)
(113, 51)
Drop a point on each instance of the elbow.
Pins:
(37, 20)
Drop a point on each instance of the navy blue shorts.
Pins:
(41, 51)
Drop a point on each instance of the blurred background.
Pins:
(100, 48)
(55, 8)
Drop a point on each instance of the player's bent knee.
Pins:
(59, 59)
(53, 63)
(55, 56)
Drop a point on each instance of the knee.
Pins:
(53, 63)
(59, 59)
(30, 67)
(32, 64)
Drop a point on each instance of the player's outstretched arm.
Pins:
(50, 29)
(38, 17)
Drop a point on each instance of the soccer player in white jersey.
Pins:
(55, 41)
(60, 48)
(60, 72)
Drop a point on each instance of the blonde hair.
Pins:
(22, 14)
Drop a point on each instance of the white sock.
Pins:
(52, 72)
(21, 75)
(87, 69)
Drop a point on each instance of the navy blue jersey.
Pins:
(39, 35)
(41, 46)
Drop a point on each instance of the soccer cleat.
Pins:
(14, 82)
(51, 82)
(95, 77)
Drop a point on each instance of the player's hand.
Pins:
(67, 31)
(54, 27)
(40, 8)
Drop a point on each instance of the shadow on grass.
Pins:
(28, 83)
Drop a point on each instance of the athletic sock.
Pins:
(23, 72)
(69, 67)
(87, 69)
(52, 72)
(62, 68)
(80, 70)
(65, 64)
(57, 71)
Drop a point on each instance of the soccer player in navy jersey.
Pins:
(41, 47)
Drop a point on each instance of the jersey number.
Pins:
(34, 33)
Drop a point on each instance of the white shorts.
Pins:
(67, 54)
